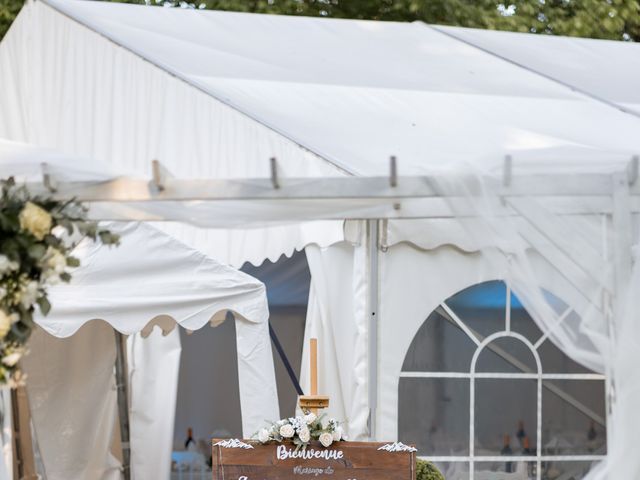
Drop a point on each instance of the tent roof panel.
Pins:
(607, 69)
(357, 92)
(212, 44)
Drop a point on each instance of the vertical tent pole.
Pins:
(621, 224)
(372, 234)
(313, 368)
(23, 460)
(123, 403)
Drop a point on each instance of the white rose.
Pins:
(263, 436)
(36, 220)
(337, 434)
(310, 418)
(11, 359)
(5, 263)
(55, 260)
(5, 324)
(304, 435)
(286, 431)
(29, 294)
(326, 439)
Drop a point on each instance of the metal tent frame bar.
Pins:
(420, 192)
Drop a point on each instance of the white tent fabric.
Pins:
(73, 402)
(195, 289)
(359, 82)
(150, 279)
(608, 70)
(153, 364)
(326, 97)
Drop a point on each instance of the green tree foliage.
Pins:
(8, 11)
(612, 19)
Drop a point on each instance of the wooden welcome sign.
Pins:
(247, 460)
(251, 460)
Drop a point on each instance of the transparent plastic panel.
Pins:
(574, 416)
(439, 346)
(505, 417)
(433, 415)
(481, 307)
(454, 470)
(506, 355)
(568, 470)
(507, 469)
(555, 361)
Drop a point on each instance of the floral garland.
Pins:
(37, 235)
(301, 430)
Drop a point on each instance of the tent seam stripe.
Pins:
(586, 93)
(334, 163)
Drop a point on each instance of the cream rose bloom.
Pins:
(5, 324)
(326, 439)
(55, 260)
(287, 431)
(304, 435)
(29, 294)
(36, 220)
(13, 358)
(263, 436)
(7, 265)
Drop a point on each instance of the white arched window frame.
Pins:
(527, 373)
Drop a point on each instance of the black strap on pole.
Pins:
(285, 360)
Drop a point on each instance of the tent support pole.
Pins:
(372, 252)
(123, 403)
(23, 459)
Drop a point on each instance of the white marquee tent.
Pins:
(150, 280)
(214, 95)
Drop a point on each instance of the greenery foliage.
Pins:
(427, 471)
(610, 19)
(37, 235)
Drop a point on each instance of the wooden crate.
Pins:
(341, 461)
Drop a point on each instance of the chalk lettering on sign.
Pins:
(284, 453)
(300, 470)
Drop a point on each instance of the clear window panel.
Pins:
(439, 346)
(481, 307)
(505, 470)
(505, 417)
(574, 413)
(566, 470)
(433, 415)
(555, 360)
(454, 470)
(506, 355)
(522, 323)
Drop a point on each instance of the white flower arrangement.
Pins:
(34, 253)
(301, 431)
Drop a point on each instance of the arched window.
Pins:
(483, 390)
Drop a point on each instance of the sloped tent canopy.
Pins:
(337, 98)
(259, 94)
(149, 280)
